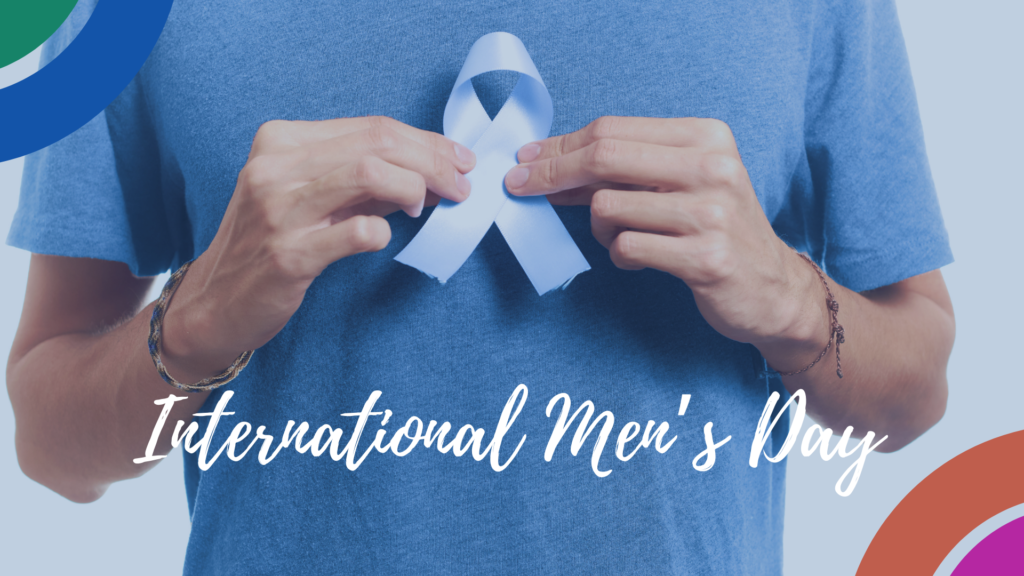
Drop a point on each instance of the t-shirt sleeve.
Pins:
(875, 204)
(93, 195)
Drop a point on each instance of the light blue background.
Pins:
(966, 64)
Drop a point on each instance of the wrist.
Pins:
(189, 347)
(802, 318)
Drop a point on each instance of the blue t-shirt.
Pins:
(820, 98)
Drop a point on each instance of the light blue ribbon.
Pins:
(533, 231)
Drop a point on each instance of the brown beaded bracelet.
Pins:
(836, 329)
(155, 332)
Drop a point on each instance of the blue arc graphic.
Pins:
(83, 79)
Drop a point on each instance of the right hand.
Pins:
(310, 194)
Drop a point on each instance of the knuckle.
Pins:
(715, 261)
(271, 129)
(604, 204)
(710, 217)
(370, 172)
(717, 133)
(722, 169)
(602, 154)
(549, 173)
(624, 250)
(269, 134)
(367, 235)
(259, 174)
(380, 121)
(440, 144)
(360, 236)
(604, 127)
(561, 146)
(443, 169)
(382, 138)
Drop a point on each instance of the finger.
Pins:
(633, 250)
(705, 133)
(354, 235)
(612, 212)
(461, 157)
(380, 208)
(693, 259)
(274, 135)
(440, 169)
(652, 165)
(664, 213)
(370, 178)
(582, 196)
(604, 232)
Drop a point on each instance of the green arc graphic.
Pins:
(26, 24)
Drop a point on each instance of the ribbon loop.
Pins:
(538, 239)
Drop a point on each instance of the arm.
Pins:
(899, 338)
(81, 414)
(80, 378)
(674, 195)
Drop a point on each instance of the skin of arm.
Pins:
(79, 376)
(673, 195)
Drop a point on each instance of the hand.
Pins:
(311, 193)
(673, 194)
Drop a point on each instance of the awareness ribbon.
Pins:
(538, 239)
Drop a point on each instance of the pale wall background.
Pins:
(967, 64)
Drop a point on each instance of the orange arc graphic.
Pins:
(946, 506)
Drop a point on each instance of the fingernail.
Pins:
(464, 154)
(517, 176)
(462, 183)
(529, 152)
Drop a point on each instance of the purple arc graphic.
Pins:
(1001, 553)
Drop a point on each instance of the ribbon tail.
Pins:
(540, 242)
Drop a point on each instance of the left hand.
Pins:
(673, 194)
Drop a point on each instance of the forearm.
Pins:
(83, 400)
(894, 359)
(84, 408)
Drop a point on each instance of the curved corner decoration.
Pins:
(86, 77)
(946, 506)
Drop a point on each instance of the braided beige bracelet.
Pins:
(155, 332)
